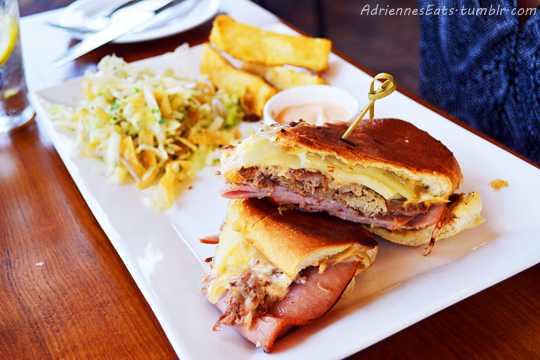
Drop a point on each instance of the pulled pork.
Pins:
(302, 181)
(246, 298)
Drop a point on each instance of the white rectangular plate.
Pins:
(163, 254)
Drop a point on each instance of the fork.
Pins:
(97, 22)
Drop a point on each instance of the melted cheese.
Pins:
(234, 256)
(261, 150)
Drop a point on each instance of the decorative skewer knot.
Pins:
(387, 87)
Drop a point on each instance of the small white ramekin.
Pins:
(307, 94)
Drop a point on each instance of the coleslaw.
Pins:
(151, 125)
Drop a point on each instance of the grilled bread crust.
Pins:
(389, 144)
(294, 240)
(462, 214)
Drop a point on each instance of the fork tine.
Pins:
(79, 29)
(95, 23)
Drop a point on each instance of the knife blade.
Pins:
(124, 21)
(172, 11)
(96, 21)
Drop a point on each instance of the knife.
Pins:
(95, 22)
(172, 11)
(124, 21)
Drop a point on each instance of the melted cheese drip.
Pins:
(261, 150)
(234, 256)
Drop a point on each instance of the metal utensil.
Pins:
(96, 22)
(174, 10)
(124, 21)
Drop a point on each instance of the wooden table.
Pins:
(83, 302)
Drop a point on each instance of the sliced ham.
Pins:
(212, 240)
(312, 203)
(243, 193)
(436, 230)
(435, 212)
(311, 300)
(303, 304)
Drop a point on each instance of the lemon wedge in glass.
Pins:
(8, 36)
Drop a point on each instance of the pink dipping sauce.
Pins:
(315, 113)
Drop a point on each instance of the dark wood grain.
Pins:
(82, 303)
(502, 322)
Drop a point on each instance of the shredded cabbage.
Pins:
(152, 126)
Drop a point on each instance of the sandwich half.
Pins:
(390, 176)
(276, 270)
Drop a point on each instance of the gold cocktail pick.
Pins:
(384, 90)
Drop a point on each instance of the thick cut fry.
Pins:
(282, 78)
(253, 91)
(252, 44)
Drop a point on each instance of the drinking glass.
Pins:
(14, 107)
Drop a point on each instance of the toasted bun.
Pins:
(390, 144)
(294, 240)
(462, 214)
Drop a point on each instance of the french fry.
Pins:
(282, 78)
(252, 44)
(253, 91)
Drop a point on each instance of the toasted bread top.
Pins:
(391, 144)
(295, 240)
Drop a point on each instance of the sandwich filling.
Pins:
(261, 150)
(311, 191)
(247, 279)
(273, 271)
(246, 285)
(261, 168)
